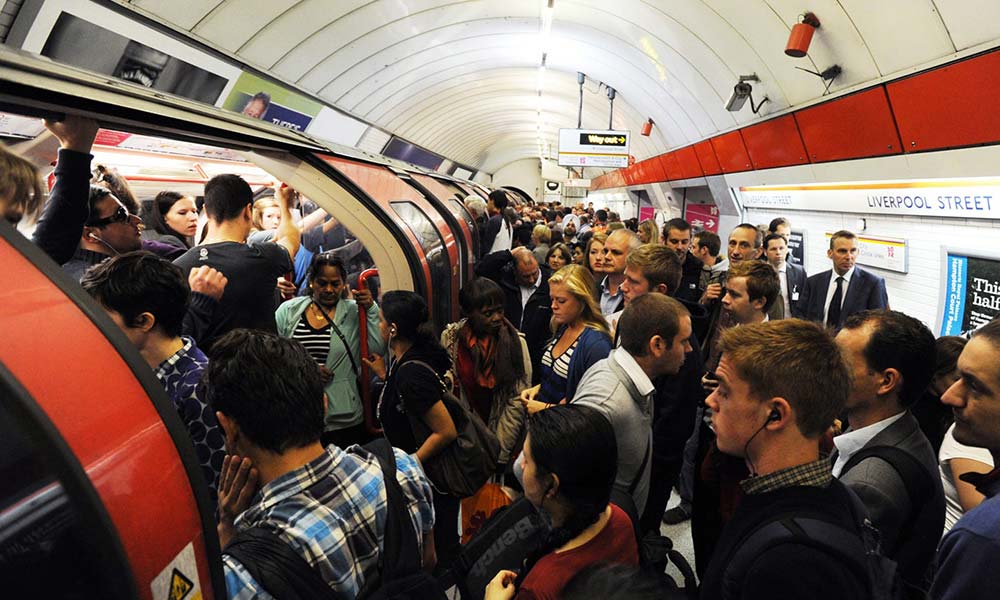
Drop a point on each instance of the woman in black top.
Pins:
(414, 390)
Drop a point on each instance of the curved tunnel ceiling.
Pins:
(462, 77)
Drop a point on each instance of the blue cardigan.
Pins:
(592, 346)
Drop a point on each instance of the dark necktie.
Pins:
(833, 315)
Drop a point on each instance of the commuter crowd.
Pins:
(822, 444)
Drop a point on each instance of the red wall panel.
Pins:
(630, 174)
(855, 126)
(671, 166)
(689, 165)
(659, 173)
(951, 106)
(731, 152)
(706, 157)
(775, 143)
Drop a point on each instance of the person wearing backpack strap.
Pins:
(884, 457)
(570, 461)
(968, 555)
(781, 385)
(327, 506)
(413, 391)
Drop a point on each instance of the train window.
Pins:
(460, 212)
(437, 258)
(48, 544)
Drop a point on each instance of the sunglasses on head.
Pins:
(119, 216)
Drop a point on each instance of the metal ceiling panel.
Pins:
(900, 33)
(970, 22)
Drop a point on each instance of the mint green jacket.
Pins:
(343, 404)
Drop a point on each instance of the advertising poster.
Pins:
(261, 99)
(80, 43)
(797, 247)
(971, 290)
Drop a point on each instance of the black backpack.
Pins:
(286, 575)
(509, 535)
(859, 547)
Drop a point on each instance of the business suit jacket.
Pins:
(795, 279)
(866, 291)
(911, 527)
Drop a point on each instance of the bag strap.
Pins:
(915, 478)
(400, 553)
(832, 538)
(343, 340)
(276, 567)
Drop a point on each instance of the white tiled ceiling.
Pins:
(460, 77)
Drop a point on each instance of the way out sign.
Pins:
(593, 148)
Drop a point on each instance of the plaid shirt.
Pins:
(814, 474)
(332, 512)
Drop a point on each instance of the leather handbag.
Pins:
(467, 463)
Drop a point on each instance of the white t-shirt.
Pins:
(951, 449)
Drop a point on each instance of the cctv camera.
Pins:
(741, 91)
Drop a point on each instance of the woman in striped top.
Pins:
(581, 338)
(326, 323)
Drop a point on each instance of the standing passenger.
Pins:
(616, 249)
(327, 324)
(413, 391)
(491, 364)
(832, 296)
(252, 270)
(677, 237)
(792, 277)
(498, 232)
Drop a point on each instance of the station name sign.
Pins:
(977, 198)
(593, 148)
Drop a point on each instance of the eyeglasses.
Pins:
(119, 216)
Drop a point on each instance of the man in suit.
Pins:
(891, 357)
(792, 277)
(832, 296)
(525, 287)
(783, 227)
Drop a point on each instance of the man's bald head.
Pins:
(525, 266)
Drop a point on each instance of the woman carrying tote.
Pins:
(414, 391)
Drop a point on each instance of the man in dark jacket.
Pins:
(525, 285)
(677, 237)
(781, 384)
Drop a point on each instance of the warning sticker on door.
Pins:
(179, 580)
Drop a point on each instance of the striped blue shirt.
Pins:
(332, 512)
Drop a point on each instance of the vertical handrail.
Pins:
(371, 423)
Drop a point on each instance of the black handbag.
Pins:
(466, 464)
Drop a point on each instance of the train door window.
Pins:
(52, 544)
(437, 257)
(460, 212)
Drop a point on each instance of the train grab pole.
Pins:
(371, 423)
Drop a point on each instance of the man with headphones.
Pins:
(781, 385)
(109, 230)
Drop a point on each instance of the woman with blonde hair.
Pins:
(580, 338)
(266, 215)
(649, 233)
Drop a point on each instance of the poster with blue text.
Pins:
(971, 292)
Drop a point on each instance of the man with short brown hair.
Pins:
(781, 384)
(832, 296)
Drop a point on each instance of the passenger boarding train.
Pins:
(97, 480)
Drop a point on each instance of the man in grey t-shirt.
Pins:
(655, 332)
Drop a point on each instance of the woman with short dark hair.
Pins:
(491, 364)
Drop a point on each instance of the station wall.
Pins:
(917, 292)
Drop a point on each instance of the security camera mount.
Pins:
(745, 90)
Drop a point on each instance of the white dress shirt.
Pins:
(849, 442)
(833, 288)
(783, 279)
(526, 292)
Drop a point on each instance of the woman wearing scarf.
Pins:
(490, 362)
